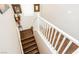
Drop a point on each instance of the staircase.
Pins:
(28, 42)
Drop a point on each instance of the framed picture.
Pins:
(16, 8)
(17, 18)
(3, 8)
(36, 7)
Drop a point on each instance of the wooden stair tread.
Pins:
(29, 44)
(26, 34)
(26, 31)
(33, 51)
(27, 41)
(30, 49)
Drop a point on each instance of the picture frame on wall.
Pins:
(16, 8)
(36, 7)
(3, 8)
(17, 18)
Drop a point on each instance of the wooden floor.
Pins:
(28, 42)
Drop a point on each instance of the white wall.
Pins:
(66, 17)
(28, 16)
(42, 44)
(27, 21)
(9, 35)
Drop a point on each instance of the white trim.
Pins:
(45, 37)
(57, 40)
(44, 28)
(61, 44)
(54, 37)
(51, 34)
(53, 51)
(67, 47)
(38, 24)
(76, 52)
(46, 31)
(65, 34)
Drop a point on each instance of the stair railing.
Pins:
(59, 40)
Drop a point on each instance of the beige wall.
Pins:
(66, 17)
(27, 21)
(28, 16)
(42, 45)
(9, 35)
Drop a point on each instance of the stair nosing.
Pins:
(31, 49)
(33, 52)
(30, 45)
(27, 37)
(28, 41)
(26, 30)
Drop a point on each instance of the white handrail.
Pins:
(65, 34)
